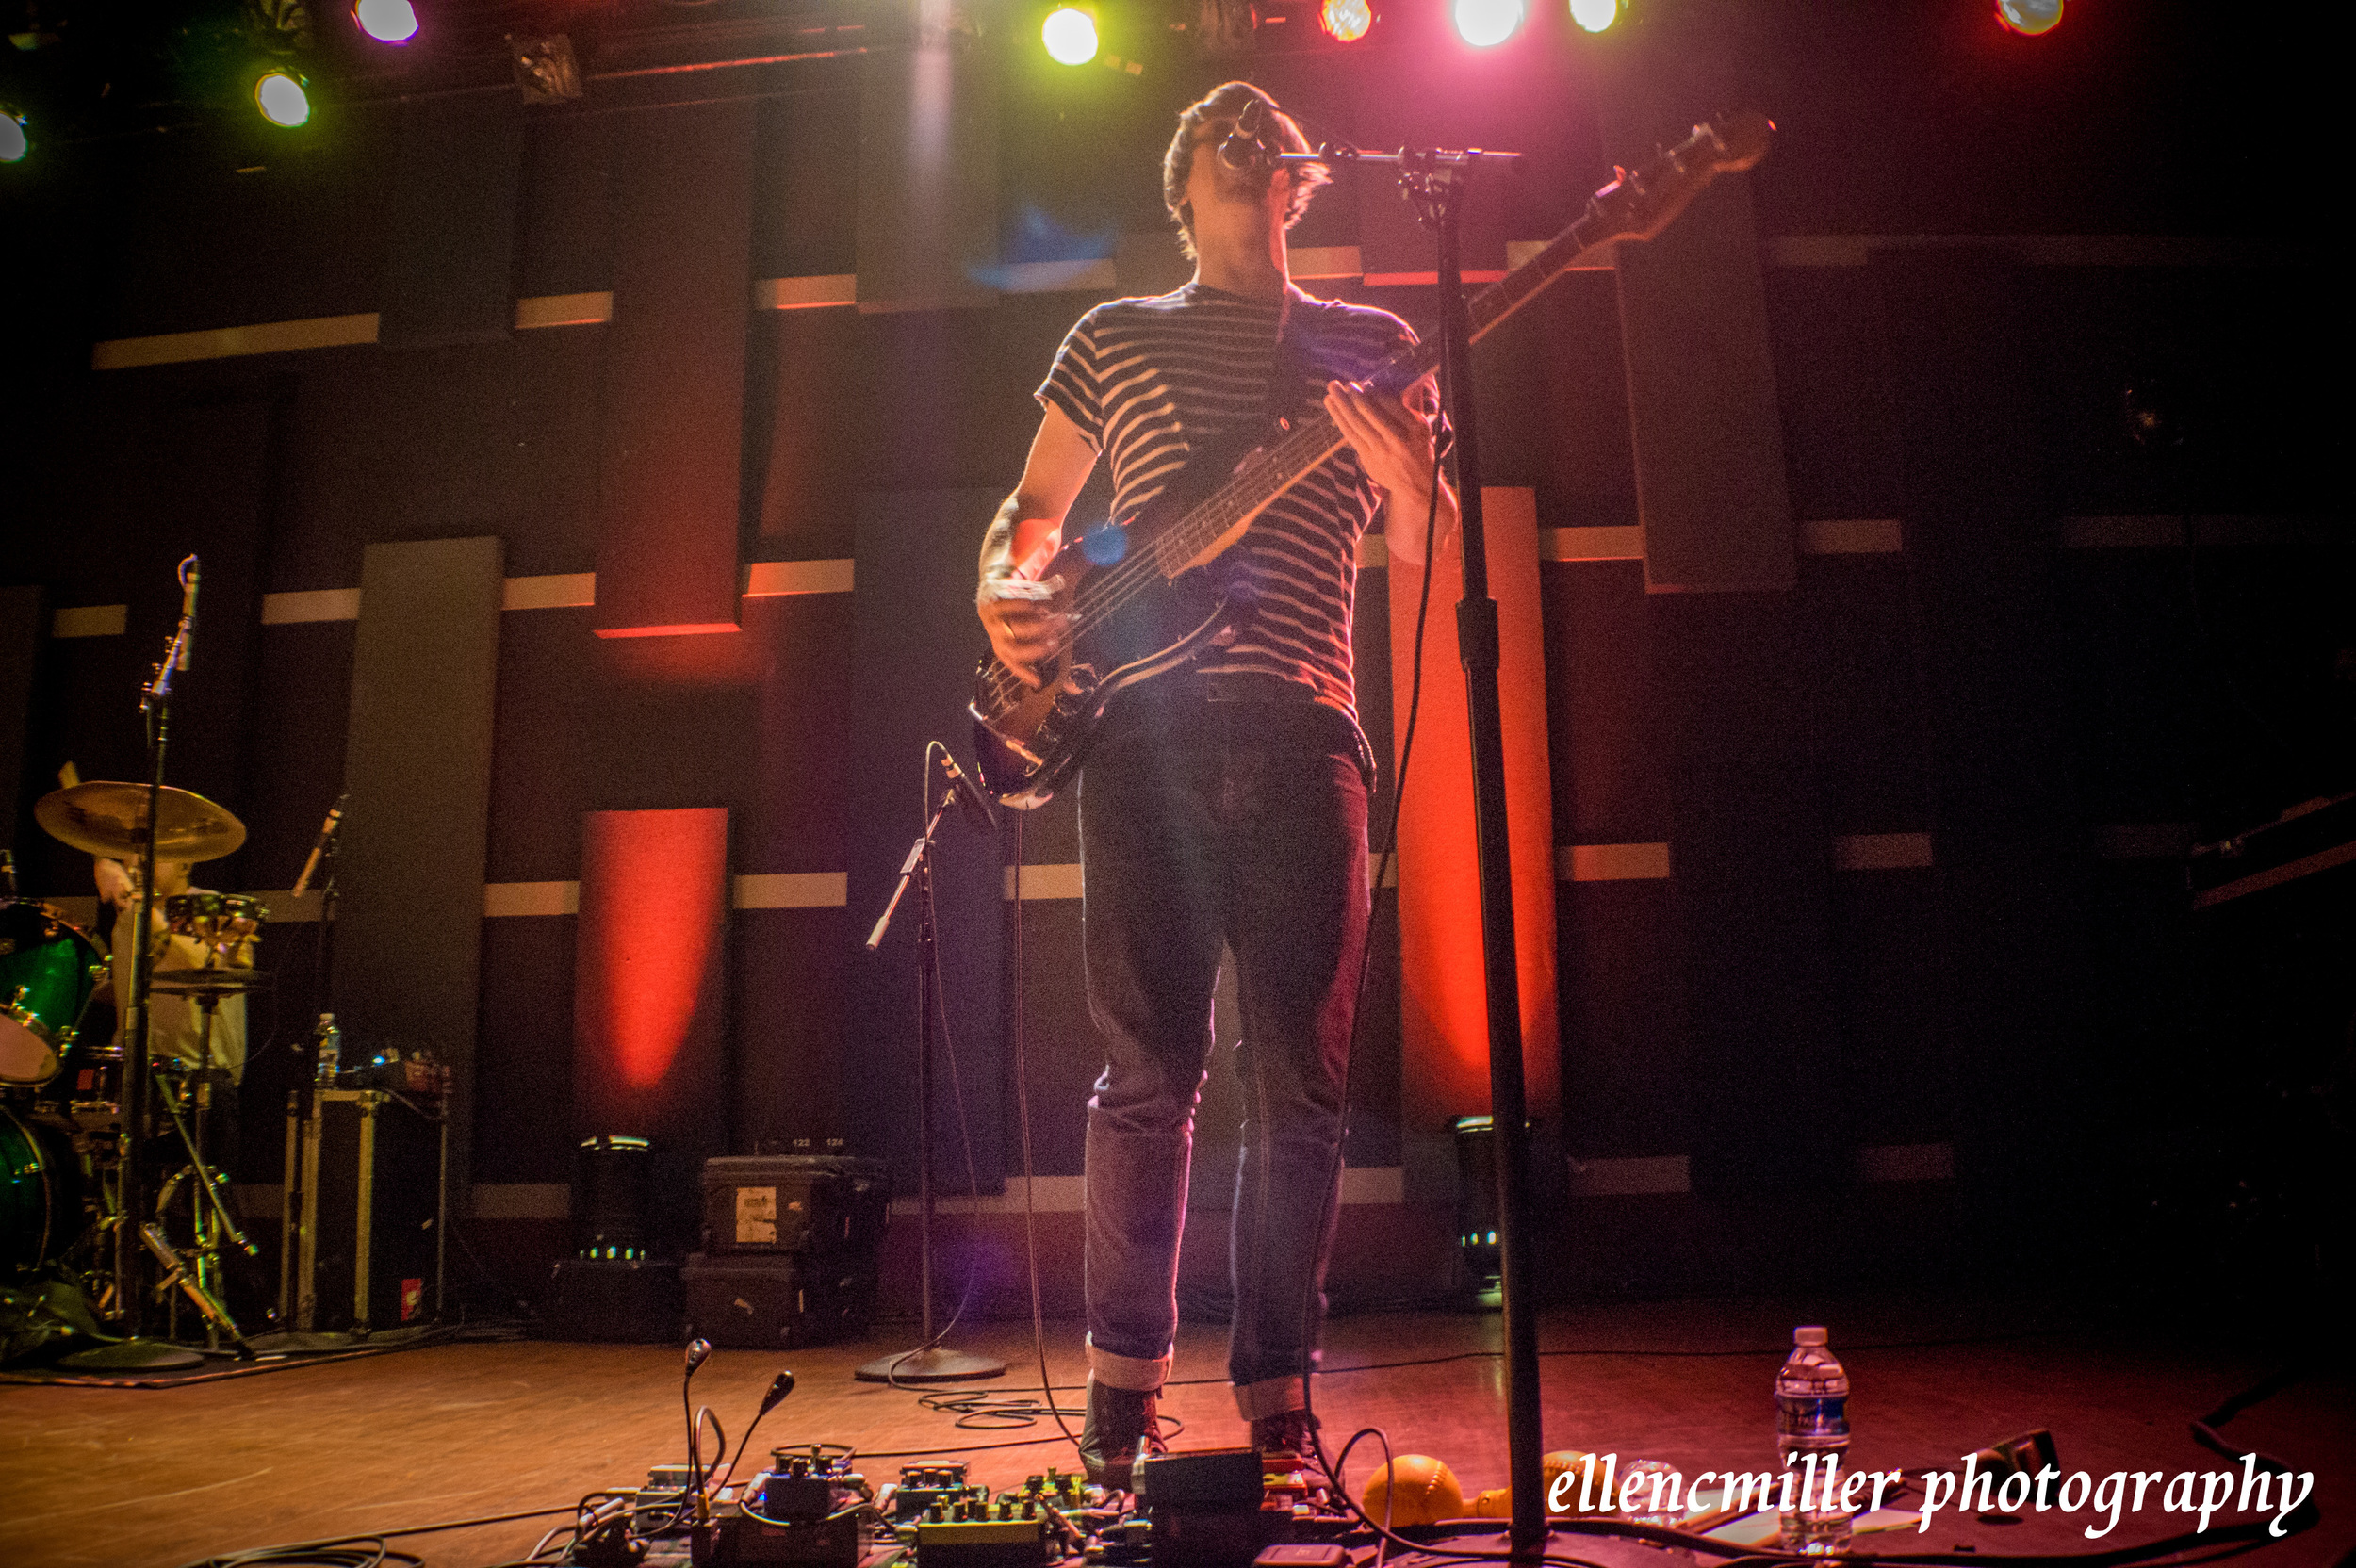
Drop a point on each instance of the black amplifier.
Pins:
(778, 1302)
(797, 1203)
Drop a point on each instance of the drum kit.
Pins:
(66, 1143)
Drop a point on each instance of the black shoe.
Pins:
(1119, 1421)
(1285, 1436)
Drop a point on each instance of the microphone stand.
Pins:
(131, 1172)
(1435, 179)
(929, 1363)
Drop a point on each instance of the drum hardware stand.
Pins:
(929, 1363)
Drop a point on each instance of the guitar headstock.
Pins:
(1639, 204)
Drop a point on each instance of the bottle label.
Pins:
(1797, 1416)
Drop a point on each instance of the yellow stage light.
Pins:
(1069, 34)
(281, 99)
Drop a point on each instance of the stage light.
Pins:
(1346, 21)
(2030, 16)
(14, 144)
(1483, 23)
(386, 21)
(1069, 35)
(281, 99)
(1595, 15)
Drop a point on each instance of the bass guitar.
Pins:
(1145, 595)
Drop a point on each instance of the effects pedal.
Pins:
(922, 1485)
(1013, 1532)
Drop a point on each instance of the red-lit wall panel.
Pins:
(1444, 1034)
(649, 1016)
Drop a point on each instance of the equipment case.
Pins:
(777, 1301)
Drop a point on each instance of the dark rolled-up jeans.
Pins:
(1219, 810)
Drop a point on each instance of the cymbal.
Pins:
(106, 818)
(191, 981)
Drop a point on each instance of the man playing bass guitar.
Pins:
(1224, 801)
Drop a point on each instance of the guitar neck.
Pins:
(1312, 437)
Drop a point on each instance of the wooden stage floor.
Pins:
(124, 1477)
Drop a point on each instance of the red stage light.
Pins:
(386, 21)
(1346, 21)
(2030, 17)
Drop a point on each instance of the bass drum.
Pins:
(44, 984)
(41, 1195)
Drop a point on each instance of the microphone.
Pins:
(327, 835)
(970, 799)
(191, 570)
(697, 1352)
(779, 1389)
(1244, 148)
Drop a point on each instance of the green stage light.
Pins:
(280, 97)
(15, 143)
(1069, 34)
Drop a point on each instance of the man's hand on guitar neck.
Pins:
(1394, 440)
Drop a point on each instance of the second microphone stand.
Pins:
(930, 1361)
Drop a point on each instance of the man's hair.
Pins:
(1227, 102)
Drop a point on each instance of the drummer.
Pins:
(175, 1024)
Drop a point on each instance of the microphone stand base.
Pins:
(936, 1365)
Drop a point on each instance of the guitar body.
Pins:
(1135, 623)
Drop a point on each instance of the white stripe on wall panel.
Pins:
(1054, 277)
(839, 288)
(1518, 252)
(1881, 851)
(503, 899)
(1907, 1162)
(564, 310)
(2144, 840)
(1610, 862)
(1324, 261)
(1047, 881)
(1624, 542)
(1626, 1178)
(1375, 1185)
(318, 604)
(793, 890)
(770, 579)
(269, 337)
(522, 1201)
(2044, 249)
(90, 620)
(1852, 536)
(557, 591)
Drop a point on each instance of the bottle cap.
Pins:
(1807, 1336)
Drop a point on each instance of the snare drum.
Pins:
(41, 1195)
(45, 982)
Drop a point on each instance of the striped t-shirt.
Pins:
(1145, 378)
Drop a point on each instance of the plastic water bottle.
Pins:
(1813, 1417)
(331, 1040)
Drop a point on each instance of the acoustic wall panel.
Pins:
(450, 265)
(670, 451)
(927, 176)
(21, 614)
(418, 766)
(1701, 389)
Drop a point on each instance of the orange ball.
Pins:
(1417, 1489)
